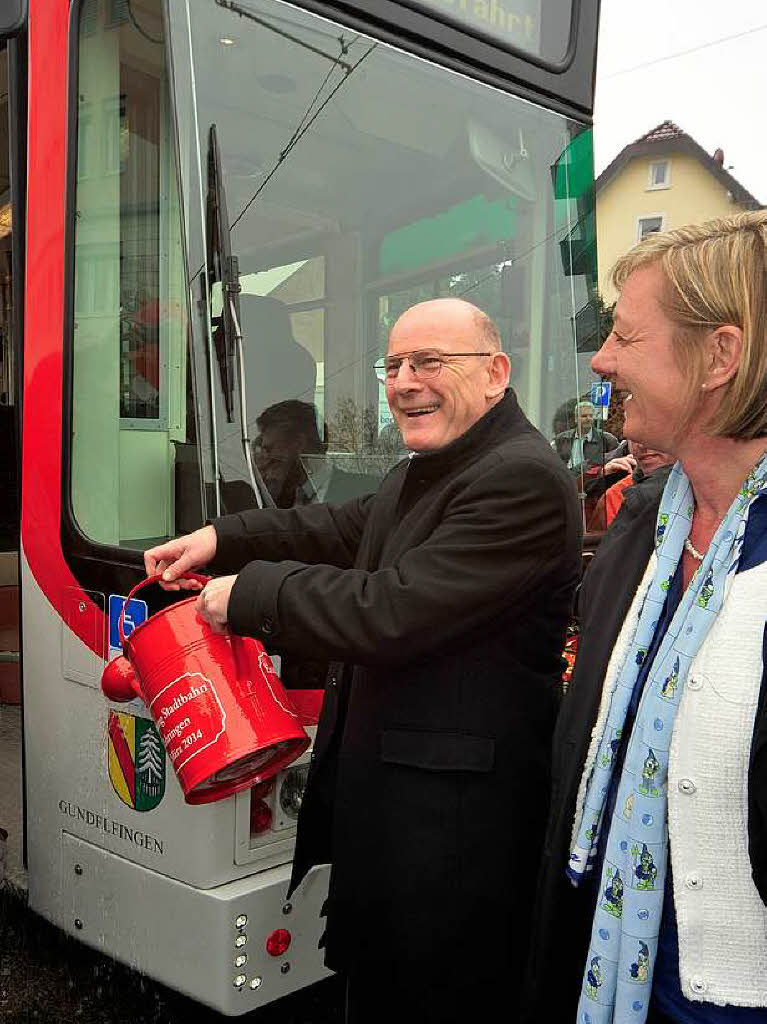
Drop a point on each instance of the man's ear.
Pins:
(724, 348)
(499, 372)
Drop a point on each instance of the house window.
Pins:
(649, 225)
(660, 174)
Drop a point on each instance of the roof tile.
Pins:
(662, 133)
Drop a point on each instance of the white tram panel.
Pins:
(174, 870)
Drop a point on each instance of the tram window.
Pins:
(134, 452)
(402, 180)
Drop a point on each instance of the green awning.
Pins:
(467, 225)
(573, 173)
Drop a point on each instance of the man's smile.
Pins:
(421, 410)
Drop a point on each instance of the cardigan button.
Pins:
(267, 627)
(687, 786)
(694, 683)
(698, 984)
(693, 881)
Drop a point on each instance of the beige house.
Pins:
(661, 181)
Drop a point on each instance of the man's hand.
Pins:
(183, 554)
(213, 603)
(625, 464)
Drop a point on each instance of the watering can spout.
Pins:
(119, 682)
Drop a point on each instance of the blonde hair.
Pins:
(715, 275)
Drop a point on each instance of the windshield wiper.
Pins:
(227, 333)
(221, 268)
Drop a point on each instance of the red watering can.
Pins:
(221, 711)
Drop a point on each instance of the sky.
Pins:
(716, 93)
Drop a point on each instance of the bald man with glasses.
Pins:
(442, 602)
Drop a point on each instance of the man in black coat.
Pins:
(443, 600)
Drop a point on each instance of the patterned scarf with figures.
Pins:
(624, 938)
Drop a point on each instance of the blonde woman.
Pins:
(651, 902)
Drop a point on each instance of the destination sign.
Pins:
(511, 22)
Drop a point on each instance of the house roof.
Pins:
(668, 137)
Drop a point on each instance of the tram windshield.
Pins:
(358, 181)
(355, 180)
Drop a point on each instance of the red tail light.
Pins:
(278, 942)
(260, 817)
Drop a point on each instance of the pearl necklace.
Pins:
(688, 546)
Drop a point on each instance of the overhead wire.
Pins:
(683, 53)
(302, 127)
(300, 132)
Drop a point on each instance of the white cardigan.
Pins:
(721, 919)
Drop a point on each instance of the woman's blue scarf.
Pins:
(624, 938)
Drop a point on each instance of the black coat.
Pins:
(445, 596)
(564, 914)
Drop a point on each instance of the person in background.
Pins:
(442, 602)
(583, 446)
(292, 459)
(653, 884)
(640, 463)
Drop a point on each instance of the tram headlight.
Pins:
(292, 790)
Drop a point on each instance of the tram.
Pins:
(213, 212)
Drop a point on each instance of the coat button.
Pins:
(693, 881)
(687, 786)
(698, 984)
(694, 684)
(267, 627)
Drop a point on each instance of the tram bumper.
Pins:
(209, 944)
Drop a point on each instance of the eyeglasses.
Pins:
(424, 363)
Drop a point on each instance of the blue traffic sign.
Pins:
(136, 612)
(600, 393)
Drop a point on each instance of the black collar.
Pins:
(495, 425)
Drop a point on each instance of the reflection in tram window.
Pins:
(294, 462)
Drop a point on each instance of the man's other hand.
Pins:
(213, 603)
(183, 554)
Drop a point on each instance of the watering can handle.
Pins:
(144, 583)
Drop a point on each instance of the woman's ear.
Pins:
(724, 347)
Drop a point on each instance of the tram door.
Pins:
(10, 675)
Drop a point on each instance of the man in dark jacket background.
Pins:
(443, 600)
(586, 445)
